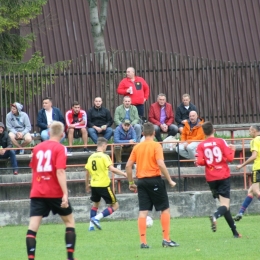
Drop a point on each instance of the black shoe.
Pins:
(86, 150)
(170, 243)
(144, 246)
(237, 235)
(213, 223)
(238, 217)
(17, 151)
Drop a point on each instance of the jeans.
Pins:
(11, 154)
(138, 131)
(172, 130)
(140, 109)
(189, 152)
(45, 135)
(93, 134)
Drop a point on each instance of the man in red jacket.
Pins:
(161, 115)
(136, 88)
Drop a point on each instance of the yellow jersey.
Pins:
(255, 146)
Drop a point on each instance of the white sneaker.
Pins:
(21, 152)
(118, 167)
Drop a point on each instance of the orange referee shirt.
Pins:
(145, 155)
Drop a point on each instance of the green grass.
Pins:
(119, 240)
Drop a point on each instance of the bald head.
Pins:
(130, 73)
(193, 116)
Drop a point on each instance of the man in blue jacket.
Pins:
(124, 134)
(46, 116)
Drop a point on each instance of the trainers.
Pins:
(86, 150)
(69, 151)
(213, 223)
(91, 229)
(170, 243)
(144, 246)
(238, 216)
(118, 167)
(237, 236)
(21, 152)
(15, 172)
(96, 223)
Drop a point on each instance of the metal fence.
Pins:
(223, 92)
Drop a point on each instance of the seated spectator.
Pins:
(46, 116)
(127, 111)
(192, 131)
(5, 142)
(183, 111)
(19, 126)
(76, 122)
(135, 87)
(99, 121)
(124, 133)
(162, 117)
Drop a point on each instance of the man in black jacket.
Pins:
(183, 111)
(5, 142)
(99, 121)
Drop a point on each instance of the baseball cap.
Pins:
(126, 122)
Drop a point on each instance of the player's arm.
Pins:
(249, 160)
(116, 171)
(165, 172)
(128, 169)
(61, 176)
(200, 157)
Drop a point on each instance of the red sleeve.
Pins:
(228, 153)
(152, 116)
(170, 115)
(61, 159)
(200, 155)
(121, 90)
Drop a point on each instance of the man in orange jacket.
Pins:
(192, 131)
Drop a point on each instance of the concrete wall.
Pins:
(185, 204)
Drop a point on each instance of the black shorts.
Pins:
(220, 187)
(152, 192)
(103, 192)
(256, 176)
(43, 206)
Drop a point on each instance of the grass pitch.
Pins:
(119, 240)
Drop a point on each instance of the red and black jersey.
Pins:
(48, 156)
(214, 153)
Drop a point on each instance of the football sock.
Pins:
(142, 229)
(93, 213)
(70, 239)
(245, 204)
(220, 212)
(231, 222)
(108, 211)
(165, 222)
(31, 244)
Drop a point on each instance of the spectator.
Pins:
(127, 111)
(192, 131)
(183, 111)
(76, 122)
(19, 126)
(46, 116)
(162, 117)
(124, 133)
(5, 142)
(136, 87)
(99, 121)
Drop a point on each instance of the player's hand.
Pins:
(88, 189)
(172, 183)
(239, 166)
(65, 202)
(231, 146)
(133, 187)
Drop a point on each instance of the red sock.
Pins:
(142, 229)
(165, 222)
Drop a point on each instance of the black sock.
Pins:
(70, 239)
(220, 212)
(231, 222)
(31, 244)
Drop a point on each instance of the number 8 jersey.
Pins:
(48, 156)
(214, 153)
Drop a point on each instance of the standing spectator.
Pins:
(149, 159)
(254, 132)
(76, 122)
(183, 111)
(97, 167)
(46, 116)
(192, 131)
(162, 116)
(99, 121)
(214, 154)
(127, 111)
(5, 142)
(124, 134)
(19, 126)
(137, 88)
(49, 191)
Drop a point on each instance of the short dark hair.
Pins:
(148, 129)
(101, 141)
(75, 103)
(47, 98)
(208, 128)
(256, 127)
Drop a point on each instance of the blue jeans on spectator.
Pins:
(140, 109)
(11, 154)
(45, 135)
(93, 134)
(138, 131)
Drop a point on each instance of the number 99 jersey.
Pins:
(48, 156)
(214, 153)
